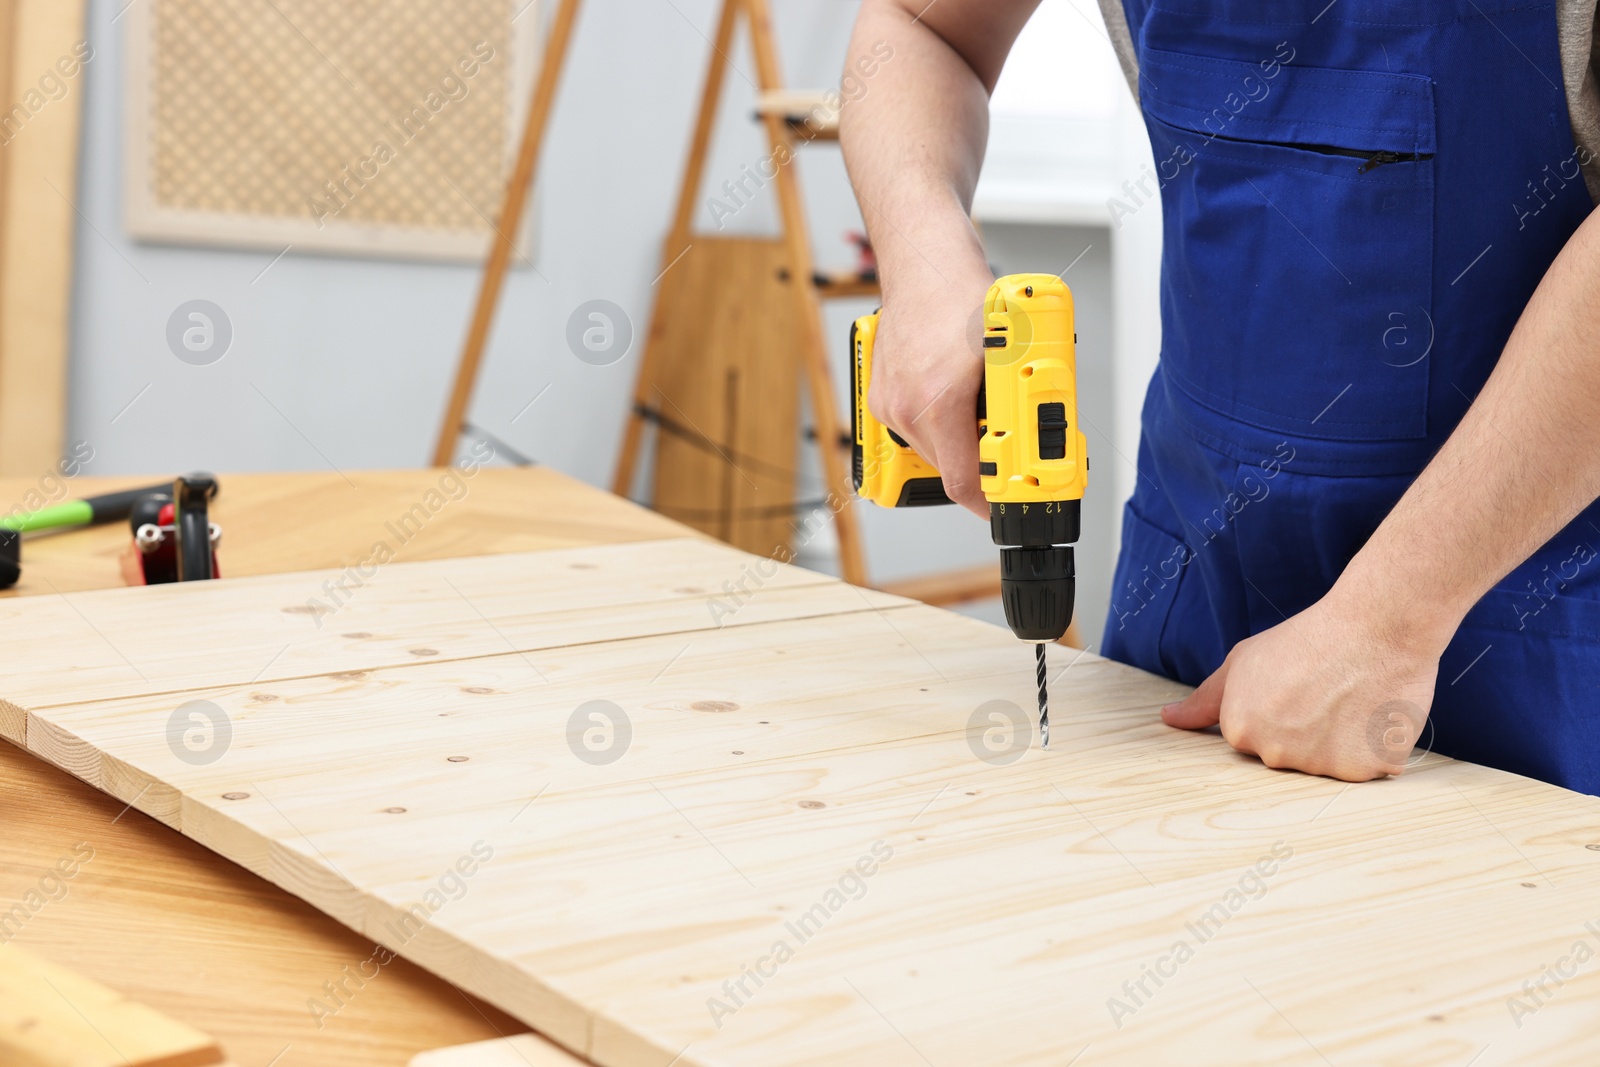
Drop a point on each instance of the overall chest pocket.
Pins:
(1299, 211)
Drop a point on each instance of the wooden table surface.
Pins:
(637, 805)
(172, 924)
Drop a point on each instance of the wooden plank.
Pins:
(823, 784)
(275, 627)
(273, 523)
(101, 885)
(844, 285)
(249, 956)
(523, 1050)
(41, 96)
(51, 1016)
(725, 385)
(8, 36)
(810, 115)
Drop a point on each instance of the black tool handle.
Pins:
(114, 507)
(191, 522)
(10, 558)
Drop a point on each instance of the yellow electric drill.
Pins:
(1033, 461)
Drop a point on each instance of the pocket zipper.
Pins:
(1371, 160)
(1379, 159)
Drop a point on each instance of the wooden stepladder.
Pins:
(518, 186)
(736, 326)
(737, 323)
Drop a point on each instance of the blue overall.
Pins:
(1360, 198)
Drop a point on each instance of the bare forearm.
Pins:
(1523, 462)
(914, 142)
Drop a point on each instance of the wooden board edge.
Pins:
(411, 933)
(562, 1020)
(62, 748)
(13, 723)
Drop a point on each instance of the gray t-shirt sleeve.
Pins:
(1576, 21)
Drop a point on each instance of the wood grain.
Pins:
(947, 588)
(51, 1016)
(805, 852)
(244, 957)
(305, 521)
(162, 919)
(8, 36)
(726, 378)
(523, 1050)
(274, 627)
(38, 188)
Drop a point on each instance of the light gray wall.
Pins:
(345, 362)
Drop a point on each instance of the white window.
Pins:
(1062, 66)
(1054, 120)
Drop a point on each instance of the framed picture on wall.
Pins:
(364, 127)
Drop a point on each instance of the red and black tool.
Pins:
(70, 514)
(174, 538)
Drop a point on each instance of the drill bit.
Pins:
(1044, 696)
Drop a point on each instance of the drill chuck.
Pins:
(1036, 565)
(1037, 589)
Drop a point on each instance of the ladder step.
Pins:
(810, 115)
(841, 284)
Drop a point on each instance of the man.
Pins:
(1372, 444)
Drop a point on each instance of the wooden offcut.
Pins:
(813, 766)
(51, 1016)
(726, 393)
(42, 71)
(523, 1050)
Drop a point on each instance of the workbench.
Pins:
(176, 926)
(712, 811)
